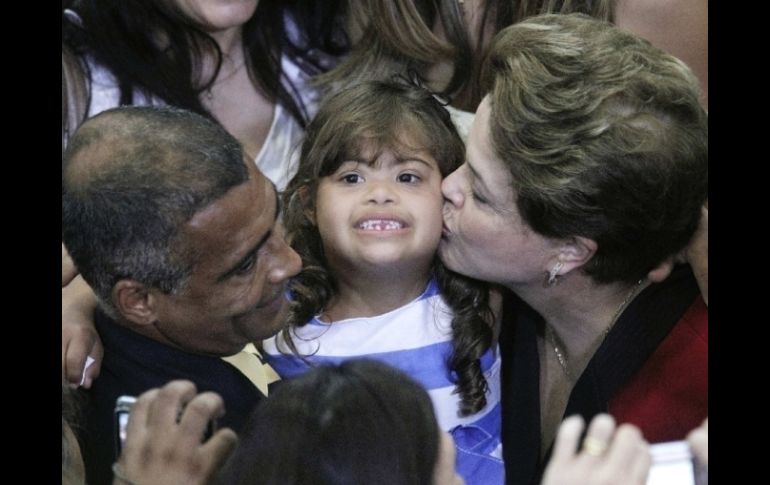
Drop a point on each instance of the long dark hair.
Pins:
(380, 112)
(396, 36)
(359, 422)
(123, 36)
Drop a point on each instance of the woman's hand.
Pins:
(68, 269)
(79, 339)
(609, 455)
(699, 443)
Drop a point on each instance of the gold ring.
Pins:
(594, 446)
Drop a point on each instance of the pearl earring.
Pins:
(553, 276)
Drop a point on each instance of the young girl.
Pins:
(364, 212)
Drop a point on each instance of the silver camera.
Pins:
(123, 407)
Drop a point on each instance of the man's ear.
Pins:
(576, 252)
(135, 302)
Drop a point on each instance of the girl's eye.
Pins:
(351, 178)
(408, 178)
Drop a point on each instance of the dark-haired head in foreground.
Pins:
(359, 422)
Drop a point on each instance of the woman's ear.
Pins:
(576, 252)
(662, 270)
(134, 302)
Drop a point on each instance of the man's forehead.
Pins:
(225, 231)
(250, 199)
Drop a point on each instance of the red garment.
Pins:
(668, 397)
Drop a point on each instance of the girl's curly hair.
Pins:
(378, 113)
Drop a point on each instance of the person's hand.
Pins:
(79, 339)
(68, 269)
(608, 455)
(699, 442)
(697, 253)
(164, 438)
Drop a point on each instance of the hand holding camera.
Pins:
(165, 437)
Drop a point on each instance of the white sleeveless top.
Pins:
(278, 158)
(462, 121)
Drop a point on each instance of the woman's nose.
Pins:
(451, 188)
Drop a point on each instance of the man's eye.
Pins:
(409, 178)
(247, 265)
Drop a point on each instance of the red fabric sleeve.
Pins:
(668, 397)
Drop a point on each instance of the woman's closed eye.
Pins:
(479, 198)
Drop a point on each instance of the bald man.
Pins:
(179, 237)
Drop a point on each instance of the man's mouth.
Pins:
(275, 299)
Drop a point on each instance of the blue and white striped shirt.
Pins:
(417, 339)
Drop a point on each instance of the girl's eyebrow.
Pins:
(399, 160)
(413, 158)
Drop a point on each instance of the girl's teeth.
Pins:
(379, 225)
